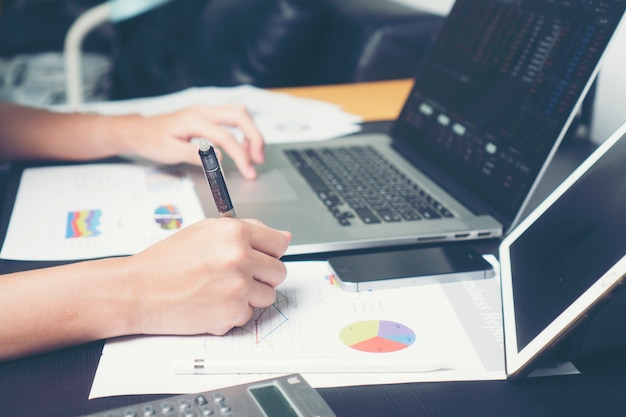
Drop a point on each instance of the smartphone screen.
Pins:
(401, 268)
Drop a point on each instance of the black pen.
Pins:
(215, 179)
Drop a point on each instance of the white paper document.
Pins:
(279, 117)
(97, 210)
(314, 323)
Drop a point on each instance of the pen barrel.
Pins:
(220, 193)
(216, 181)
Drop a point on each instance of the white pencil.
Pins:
(307, 365)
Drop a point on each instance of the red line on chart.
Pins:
(264, 316)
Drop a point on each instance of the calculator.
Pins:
(286, 396)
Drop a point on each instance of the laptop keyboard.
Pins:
(358, 182)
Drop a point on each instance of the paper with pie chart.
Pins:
(313, 319)
(97, 210)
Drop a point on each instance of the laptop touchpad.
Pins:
(268, 186)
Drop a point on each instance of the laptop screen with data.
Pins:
(496, 93)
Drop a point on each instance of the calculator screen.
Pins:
(272, 401)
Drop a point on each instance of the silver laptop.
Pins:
(565, 259)
(487, 111)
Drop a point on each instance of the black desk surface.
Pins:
(58, 383)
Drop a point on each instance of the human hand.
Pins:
(165, 138)
(207, 277)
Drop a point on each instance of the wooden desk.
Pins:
(374, 101)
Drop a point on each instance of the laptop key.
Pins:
(389, 215)
(367, 216)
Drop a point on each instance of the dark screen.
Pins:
(501, 82)
(570, 246)
(273, 402)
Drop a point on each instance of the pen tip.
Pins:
(204, 145)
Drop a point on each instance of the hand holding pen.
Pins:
(216, 181)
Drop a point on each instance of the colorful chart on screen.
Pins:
(377, 336)
(168, 217)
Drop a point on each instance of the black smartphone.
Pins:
(401, 268)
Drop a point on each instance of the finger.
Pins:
(253, 139)
(239, 154)
(262, 295)
(187, 152)
(242, 318)
(229, 144)
(268, 269)
(238, 116)
(269, 241)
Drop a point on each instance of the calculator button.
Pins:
(206, 410)
(184, 405)
(200, 400)
(217, 398)
(166, 408)
(129, 413)
(148, 411)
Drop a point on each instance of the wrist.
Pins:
(113, 303)
(121, 133)
(107, 136)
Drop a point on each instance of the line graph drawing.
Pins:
(268, 320)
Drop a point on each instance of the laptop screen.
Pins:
(556, 263)
(499, 88)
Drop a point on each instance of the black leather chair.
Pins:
(266, 43)
(277, 43)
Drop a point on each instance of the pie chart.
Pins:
(168, 217)
(377, 336)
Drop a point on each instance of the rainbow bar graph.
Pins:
(83, 223)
